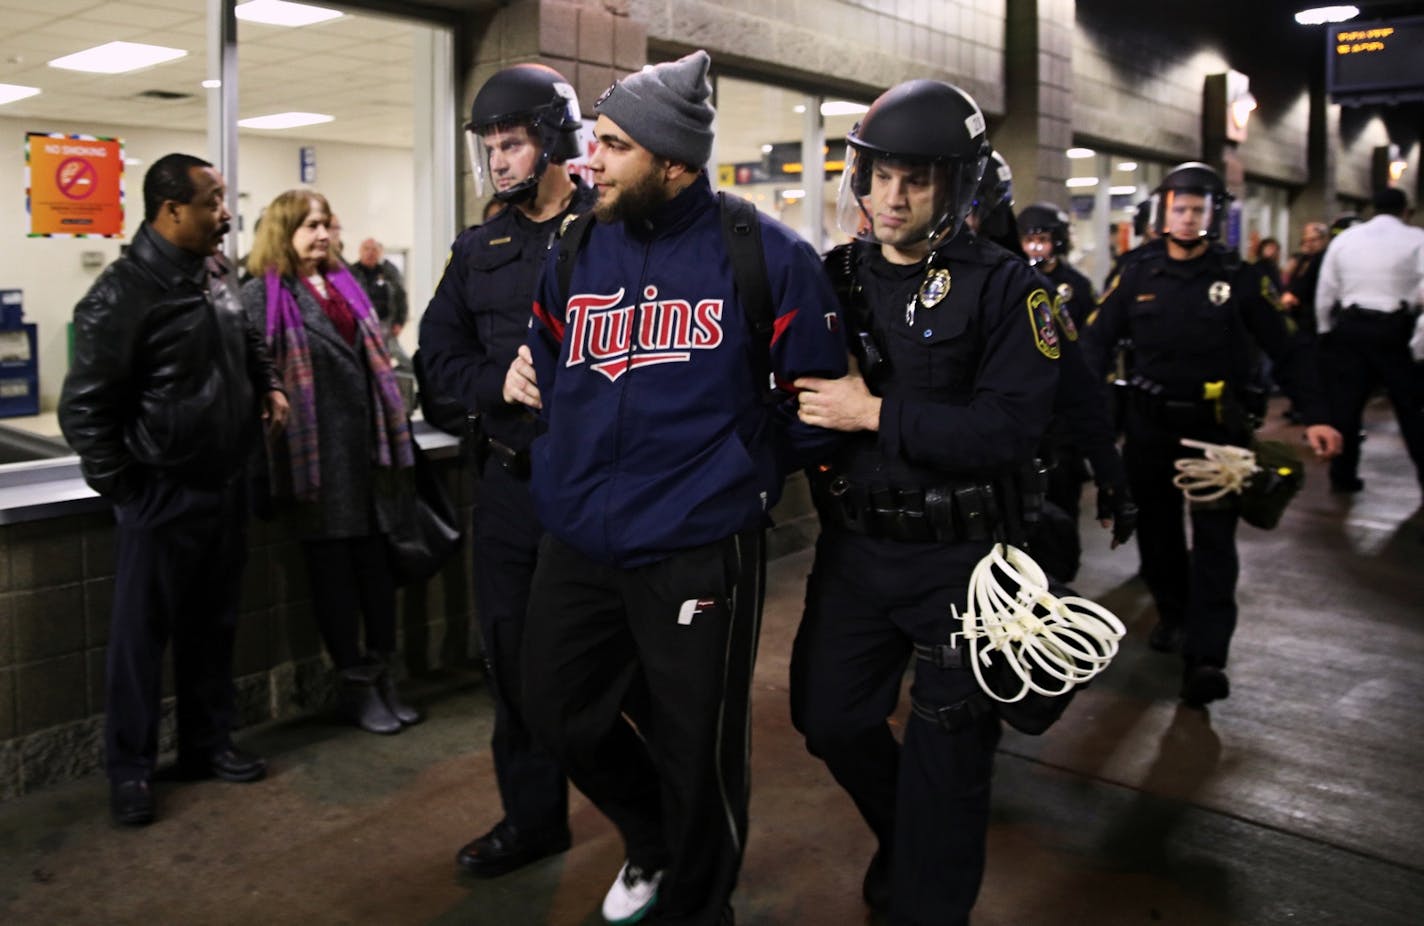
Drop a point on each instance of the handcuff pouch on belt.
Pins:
(945, 514)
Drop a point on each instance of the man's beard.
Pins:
(634, 202)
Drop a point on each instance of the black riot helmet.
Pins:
(1045, 219)
(918, 123)
(1197, 180)
(996, 187)
(532, 95)
(1142, 218)
(1343, 222)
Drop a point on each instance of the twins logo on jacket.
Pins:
(600, 331)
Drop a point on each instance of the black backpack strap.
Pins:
(741, 230)
(572, 236)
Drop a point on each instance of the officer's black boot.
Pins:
(361, 700)
(1203, 683)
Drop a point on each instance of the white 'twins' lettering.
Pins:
(613, 339)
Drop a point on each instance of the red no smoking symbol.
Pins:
(76, 178)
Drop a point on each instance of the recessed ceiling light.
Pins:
(1081, 152)
(1326, 14)
(281, 13)
(1127, 167)
(117, 58)
(1081, 181)
(842, 108)
(1122, 190)
(212, 84)
(9, 93)
(132, 162)
(289, 120)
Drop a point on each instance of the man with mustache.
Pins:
(165, 399)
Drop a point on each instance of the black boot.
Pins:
(404, 712)
(361, 700)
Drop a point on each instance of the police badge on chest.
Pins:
(932, 293)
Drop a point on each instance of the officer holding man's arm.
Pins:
(958, 357)
(1196, 316)
(523, 128)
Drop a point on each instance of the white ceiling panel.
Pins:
(356, 68)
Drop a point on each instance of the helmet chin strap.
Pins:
(520, 193)
(1188, 244)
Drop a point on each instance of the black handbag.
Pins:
(420, 523)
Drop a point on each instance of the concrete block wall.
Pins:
(56, 592)
(856, 45)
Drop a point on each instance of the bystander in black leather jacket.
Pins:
(167, 374)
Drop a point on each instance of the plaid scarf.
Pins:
(296, 459)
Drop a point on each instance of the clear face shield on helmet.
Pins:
(904, 203)
(1184, 216)
(509, 155)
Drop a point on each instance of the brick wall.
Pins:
(56, 592)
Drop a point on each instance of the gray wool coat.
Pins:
(345, 505)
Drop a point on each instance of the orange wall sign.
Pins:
(74, 185)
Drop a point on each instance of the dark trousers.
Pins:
(531, 782)
(350, 578)
(927, 802)
(180, 555)
(1359, 354)
(669, 646)
(1194, 588)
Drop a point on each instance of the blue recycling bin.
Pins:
(19, 358)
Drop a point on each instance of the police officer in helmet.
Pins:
(1197, 315)
(958, 362)
(1043, 228)
(523, 129)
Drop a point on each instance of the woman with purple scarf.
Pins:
(347, 435)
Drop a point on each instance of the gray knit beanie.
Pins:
(664, 108)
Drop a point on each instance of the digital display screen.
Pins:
(1375, 58)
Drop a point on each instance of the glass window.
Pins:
(762, 132)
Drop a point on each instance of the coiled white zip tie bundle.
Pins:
(1224, 468)
(1071, 639)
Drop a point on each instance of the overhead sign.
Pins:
(74, 185)
(1376, 60)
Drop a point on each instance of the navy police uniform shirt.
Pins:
(1197, 321)
(480, 314)
(658, 436)
(970, 364)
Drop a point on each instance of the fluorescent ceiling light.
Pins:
(281, 13)
(1326, 14)
(212, 84)
(117, 58)
(284, 120)
(131, 162)
(792, 194)
(835, 108)
(1081, 152)
(1122, 190)
(1081, 181)
(1127, 167)
(9, 93)
(766, 149)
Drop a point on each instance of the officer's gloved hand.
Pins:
(1116, 510)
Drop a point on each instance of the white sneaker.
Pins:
(632, 895)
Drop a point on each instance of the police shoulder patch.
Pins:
(1040, 317)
